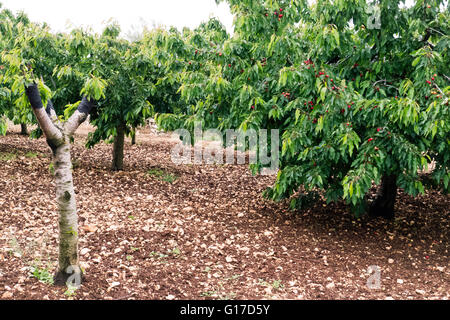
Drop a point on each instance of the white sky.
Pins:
(63, 15)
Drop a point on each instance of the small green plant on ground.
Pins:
(162, 175)
(31, 155)
(158, 255)
(71, 291)
(208, 294)
(51, 168)
(176, 252)
(42, 274)
(276, 284)
(5, 156)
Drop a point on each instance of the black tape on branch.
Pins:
(34, 97)
(86, 106)
(50, 107)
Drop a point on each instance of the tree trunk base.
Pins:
(23, 129)
(119, 141)
(383, 205)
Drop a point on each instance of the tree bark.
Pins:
(23, 129)
(68, 218)
(383, 205)
(119, 141)
(133, 136)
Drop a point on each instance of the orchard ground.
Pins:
(162, 231)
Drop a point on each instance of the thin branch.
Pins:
(80, 115)
(48, 127)
(437, 31)
(385, 83)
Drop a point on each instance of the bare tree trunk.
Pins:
(383, 205)
(119, 141)
(133, 136)
(68, 218)
(23, 129)
(58, 138)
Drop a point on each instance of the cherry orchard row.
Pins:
(130, 80)
(354, 104)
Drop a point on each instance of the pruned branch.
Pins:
(48, 127)
(79, 116)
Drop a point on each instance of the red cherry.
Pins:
(432, 79)
(378, 129)
(371, 139)
(229, 66)
(428, 81)
(280, 16)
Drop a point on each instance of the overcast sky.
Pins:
(130, 14)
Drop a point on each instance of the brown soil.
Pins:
(207, 235)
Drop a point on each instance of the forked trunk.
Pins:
(383, 205)
(119, 141)
(58, 138)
